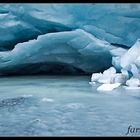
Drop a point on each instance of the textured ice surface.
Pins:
(33, 19)
(66, 37)
(71, 50)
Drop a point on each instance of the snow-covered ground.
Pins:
(65, 105)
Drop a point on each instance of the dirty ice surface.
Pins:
(65, 106)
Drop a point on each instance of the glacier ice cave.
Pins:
(69, 69)
(69, 38)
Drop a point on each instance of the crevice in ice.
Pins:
(121, 45)
(96, 29)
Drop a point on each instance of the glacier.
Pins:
(83, 51)
(128, 71)
(63, 53)
(69, 38)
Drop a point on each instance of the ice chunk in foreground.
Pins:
(96, 76)
(133, 82)
(108, 87)
(119, 78)
(114, 78)
(110, 76)
(106, 79)
(107, 76)
(109, 71)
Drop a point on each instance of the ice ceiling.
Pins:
(68, 38)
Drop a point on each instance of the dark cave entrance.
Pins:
(44, 69)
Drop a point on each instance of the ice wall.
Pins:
(75, 37)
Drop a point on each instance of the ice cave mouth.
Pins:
(43, 69)
(66, 39)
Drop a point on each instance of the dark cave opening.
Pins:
(43, 69)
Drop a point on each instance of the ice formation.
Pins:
(108, 87)
(73, 51)
(129, 72)
(70, 38)
(131, 55)
(95, 77)
(133, 82)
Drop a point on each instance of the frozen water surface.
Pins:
(65, 106)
